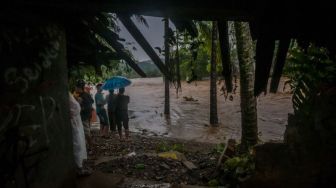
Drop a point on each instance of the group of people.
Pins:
(81, 109)
(117, 116)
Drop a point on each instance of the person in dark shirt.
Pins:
(85, 100)
(122, 113)
(111, 108)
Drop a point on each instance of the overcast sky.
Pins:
(154, 35)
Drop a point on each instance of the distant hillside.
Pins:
(149, 68)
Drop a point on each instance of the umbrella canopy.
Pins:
(116, 82)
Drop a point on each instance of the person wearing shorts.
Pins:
(111, 108)
(122, 113)
(101, 112)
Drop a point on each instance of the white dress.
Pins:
(78, 136)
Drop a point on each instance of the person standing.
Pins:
(111, 108)
(101, 112)
(85, 100)
(122, 113)
(78, 137)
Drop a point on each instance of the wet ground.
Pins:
(137, 164)
(139, 160)
(189, 120)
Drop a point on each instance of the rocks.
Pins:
(189, 165)
(131, 154)
(189, 98)
(123, 157)
(164, 166)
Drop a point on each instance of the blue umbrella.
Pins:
(116, 82)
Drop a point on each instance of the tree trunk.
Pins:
(223, 31)
(166, 81)
(178, 72)
(213, 77)
(248, 101)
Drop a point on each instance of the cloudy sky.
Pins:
(154, 35)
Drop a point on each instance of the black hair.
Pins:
(121, 90)
(99, 85)
(80, 84)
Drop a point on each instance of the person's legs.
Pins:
(113, 127)
(101, 130)
(125, 125)
(87, 132)
(119, 125)
(104, 122)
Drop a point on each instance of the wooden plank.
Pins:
(279, 64)
(119, 48)
(264, 58)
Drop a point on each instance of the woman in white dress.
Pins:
(78, 136)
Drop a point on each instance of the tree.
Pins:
(213, 76)
(248, 101)
(177, 63)
(166, 81)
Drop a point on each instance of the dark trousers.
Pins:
(112, 120)
(122, 123)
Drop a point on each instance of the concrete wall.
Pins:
(35, 131)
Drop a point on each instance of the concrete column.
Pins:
(35, 131)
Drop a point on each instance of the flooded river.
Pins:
(190, 119)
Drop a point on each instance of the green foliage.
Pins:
(309, 72)
(140, 166)
(195, 54)
(178, 147)
(164, 147)
(219, 148)
(199, 65)
(90, 75)
(213, 183)
(238, 169)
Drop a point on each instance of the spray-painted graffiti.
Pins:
(26, 140)
(23, 76)
(27, 119)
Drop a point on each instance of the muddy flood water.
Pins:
(189, 120)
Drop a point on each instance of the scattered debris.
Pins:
(140, 166)
(189, 165)
(189, 98)
(131, 154)
(193, 164)
(172, 155)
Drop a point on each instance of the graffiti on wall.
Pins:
(26, 117)
(29, 73)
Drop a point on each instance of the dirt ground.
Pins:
(115, 157)
(189, 120)
(187, 130)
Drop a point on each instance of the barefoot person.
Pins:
(122, 113)
(111, 108)
(101, 112)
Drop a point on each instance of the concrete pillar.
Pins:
(35, 131)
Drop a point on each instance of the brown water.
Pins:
(189, 119)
